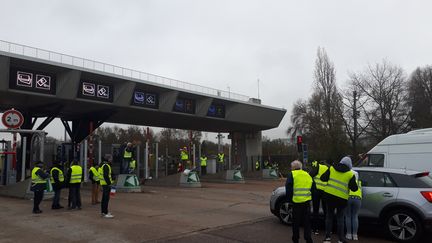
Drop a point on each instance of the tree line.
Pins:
(376, 102)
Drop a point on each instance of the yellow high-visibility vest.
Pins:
(95, 173)
(184, 155)
(132, 164)
(127, 154)
(338, 183)
(60, 174)
(357, 193)
(320, 185)
(76, 175)
(257, 165)
(35, 178)
(221, 157)
(302, 186)
(204, 161)
(102, 178)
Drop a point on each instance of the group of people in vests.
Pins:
(335, 187)
(185, 162)
(73, 178)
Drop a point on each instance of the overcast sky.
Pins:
(223, 43)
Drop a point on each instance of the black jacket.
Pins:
(352, 185)
(289, 187)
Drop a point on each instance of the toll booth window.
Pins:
(216, 110)
(184, 106)
(376, 160)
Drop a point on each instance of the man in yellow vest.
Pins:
(132, 166)
(39, 181)
(221, 161)
(352, 209)
(128, 156)
(106, 182)
(76, 177)
(94, 178)
(298, 186)
(317, 195)
(257, 165)
(184, 157)
(57, 181)
(203, 164)
(340, 180)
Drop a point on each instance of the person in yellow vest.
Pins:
(76, 177)
(38, 185)
(106, 182)
(221, 161)
(203, 164)
(266, 164)
(128, 156)
(351, 211)
(57, 181)
(94, 178)
(257, 165)
(318, 194)
(132, 166)
(340, 180)
(184, 157)
(299, 186)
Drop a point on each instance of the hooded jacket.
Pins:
(352, 185)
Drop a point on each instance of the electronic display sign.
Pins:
(34, 81)
(216, 110)
(184, 105)
(145, 99)
(95, 91)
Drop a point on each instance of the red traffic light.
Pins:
(299, 140)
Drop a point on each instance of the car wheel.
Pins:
(284, 211)
(403, 226)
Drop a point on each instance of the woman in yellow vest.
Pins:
(39, 180)
(340, 180)
(298, 186)
(351, 211)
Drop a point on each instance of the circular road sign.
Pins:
(12, 119)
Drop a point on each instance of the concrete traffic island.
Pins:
(234, 176)
(22, 190)
(189, 179)
(270, 174)
(127, 183)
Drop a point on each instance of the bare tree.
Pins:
(384, 85)
(420, 97)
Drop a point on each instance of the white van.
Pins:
(412, 150)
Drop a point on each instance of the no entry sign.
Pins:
(12, 119)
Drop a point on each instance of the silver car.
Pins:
(398, 199)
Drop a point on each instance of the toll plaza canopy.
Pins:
(42, 83)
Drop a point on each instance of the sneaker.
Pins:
(108, 216)
(355, 237)
(349, 236)
(327, 240)
(342, 241)
(315, 232)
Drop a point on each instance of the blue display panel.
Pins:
(216, 110)
(31, 80)
(184, 105)
(145, 99)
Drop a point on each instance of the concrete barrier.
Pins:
(234, 176)
(270, 174)
(190, 179)
(127, 183)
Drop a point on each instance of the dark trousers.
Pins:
(340, 221)
(317, 198)
(56, 198)
(301, 212)
(203, 170)
(75, 192)
(105, 198)
(38, 196)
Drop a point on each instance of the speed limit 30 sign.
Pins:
(12, 119)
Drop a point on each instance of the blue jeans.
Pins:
(351, 215)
